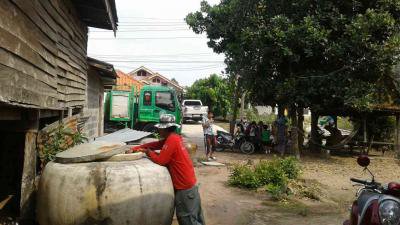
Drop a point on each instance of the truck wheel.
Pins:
(150, 128)
(247, 147)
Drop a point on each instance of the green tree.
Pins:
(215, 92)
(326, 55)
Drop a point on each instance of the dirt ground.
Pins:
(223, 204)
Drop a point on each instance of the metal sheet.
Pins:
(124, 135)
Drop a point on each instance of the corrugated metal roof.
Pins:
(124, 135)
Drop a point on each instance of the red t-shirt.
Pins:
(176, 158)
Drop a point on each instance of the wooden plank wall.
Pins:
(43, 48)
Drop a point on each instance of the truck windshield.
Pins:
(192, 103)
(165, 100)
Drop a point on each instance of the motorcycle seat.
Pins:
(394, 186)
(220, 132)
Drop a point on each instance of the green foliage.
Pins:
(252, 115)
(290, 167)
(345, 123)
(379, 127)
(243, 176)
(57, 140)
(274, 175)
(276, 191)
(317, 54)
(215, 92)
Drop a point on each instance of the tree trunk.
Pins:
(235, 101)
(315, 138)
(397, 137)
(281, 110)
(300, 126)
(294, 132)
(242, 105)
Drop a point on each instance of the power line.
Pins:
(146, 38)
(147, 18)
(143, 30)
(151, 22)
(175, 69)
(164, 61)
(156, 55)
(155, 25)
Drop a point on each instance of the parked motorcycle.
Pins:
(225, 140)
(376, 204)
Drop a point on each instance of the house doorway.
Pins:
(11, 166)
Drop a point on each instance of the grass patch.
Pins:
(273, 175)
(305, 189)
(290, 206)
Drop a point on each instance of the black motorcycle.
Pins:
(225, 140)
(376, 204)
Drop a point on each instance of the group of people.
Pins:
(270, 137)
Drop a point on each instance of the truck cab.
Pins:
(153, 101)
(193, 109)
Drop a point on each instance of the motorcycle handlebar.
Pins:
(360, 181)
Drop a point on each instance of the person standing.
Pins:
(175, 157)
(208, 131)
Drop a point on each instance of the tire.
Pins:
(218, 148)
(150, 128)
(247, 147)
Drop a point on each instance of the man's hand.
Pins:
(144, 150)
(137, 149)
(129, 151)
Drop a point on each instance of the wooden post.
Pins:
(397, 137)
(69, 111)
(27, 203)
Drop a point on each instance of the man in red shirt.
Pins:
(176, 158)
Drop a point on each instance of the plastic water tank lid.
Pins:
(92, 151)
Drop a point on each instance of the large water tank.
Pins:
(108, 193)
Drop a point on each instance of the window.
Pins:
(142, 73)
(147, 98)
(193, 103)
(165, 100)
(156, 80)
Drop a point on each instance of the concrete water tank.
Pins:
(108, 193)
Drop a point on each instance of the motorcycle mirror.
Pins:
(363, 160)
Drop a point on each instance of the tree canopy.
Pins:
(215, 92)
(320, 54)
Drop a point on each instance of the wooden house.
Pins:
(125, 82)
(45, 75)
(148, 77)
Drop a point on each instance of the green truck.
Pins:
(142, 112)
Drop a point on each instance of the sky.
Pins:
(153, 33)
